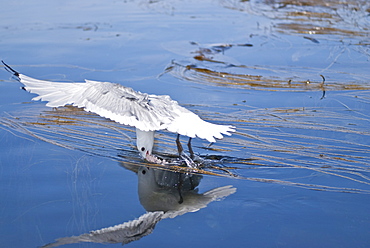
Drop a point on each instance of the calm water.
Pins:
(293, 79)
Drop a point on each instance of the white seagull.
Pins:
(147, 113)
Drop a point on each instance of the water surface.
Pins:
(292, 77)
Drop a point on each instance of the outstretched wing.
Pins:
(123, 233)
(113, 101)
(124, 105)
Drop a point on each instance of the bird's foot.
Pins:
(188, 161)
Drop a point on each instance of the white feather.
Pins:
(126, 106)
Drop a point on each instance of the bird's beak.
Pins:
(153, 159)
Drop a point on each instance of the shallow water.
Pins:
(292, 77)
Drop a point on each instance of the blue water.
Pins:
(299, 160)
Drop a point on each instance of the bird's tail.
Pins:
(191, 125)
(220, 193)
(210, 131)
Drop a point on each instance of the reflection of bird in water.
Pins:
(164, 194)
(166, 190)
(147, 113)
(174, 192)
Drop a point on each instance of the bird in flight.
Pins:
(146, 112)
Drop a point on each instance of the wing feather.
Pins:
(126, 106)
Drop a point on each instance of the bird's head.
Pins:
(144, 142)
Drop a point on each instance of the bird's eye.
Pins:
(143, 172)
(142, 149)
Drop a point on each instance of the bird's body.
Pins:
(147, 113)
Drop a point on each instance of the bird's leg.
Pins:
(179, 188)
(191, 182)
(179, 146)
(190, 149)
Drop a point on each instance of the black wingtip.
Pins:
(9, 69)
